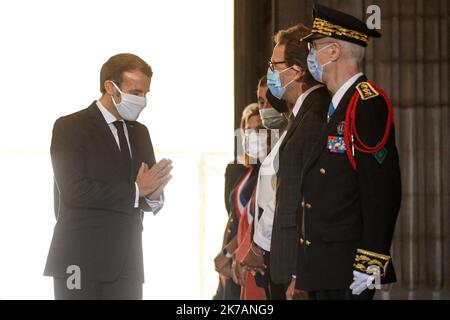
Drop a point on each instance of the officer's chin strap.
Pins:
(350, 132)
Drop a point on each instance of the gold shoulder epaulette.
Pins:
(366, 91)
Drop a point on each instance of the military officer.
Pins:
(351, 185)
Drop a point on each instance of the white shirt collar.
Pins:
(337, 97)
(109, 117)
(302, 98)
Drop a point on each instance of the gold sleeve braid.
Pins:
(365, 258)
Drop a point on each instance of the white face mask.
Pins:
(254, 147)
(130, 105)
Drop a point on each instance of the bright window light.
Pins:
(51, 56)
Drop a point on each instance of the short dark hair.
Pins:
(296, 51)
(262, 81)
(114, 68)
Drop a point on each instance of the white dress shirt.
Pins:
(155, 205)
(337, 97)
(265, 197)
(266, 186)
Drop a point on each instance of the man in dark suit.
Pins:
(106, 176)
(351, 186)
(288, 79)
(310, 100)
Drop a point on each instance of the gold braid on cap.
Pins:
(328, 29)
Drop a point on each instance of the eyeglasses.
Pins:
(273, 63)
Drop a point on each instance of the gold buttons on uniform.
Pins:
(305, 205)
(305, 242)
(322, 171)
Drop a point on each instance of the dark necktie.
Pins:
(290, 122)
(292, 117)
(124, 150)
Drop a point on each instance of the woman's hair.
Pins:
(251, 110)
(262, 82)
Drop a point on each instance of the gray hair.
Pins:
(352, 52)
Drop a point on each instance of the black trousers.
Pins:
(274, 291)
(342, 294)
(121, 289)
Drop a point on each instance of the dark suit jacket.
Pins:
(345, 210)
(98, 228)
(302, 135)
(233, 173)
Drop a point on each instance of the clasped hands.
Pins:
(253, 262)
(152, 181)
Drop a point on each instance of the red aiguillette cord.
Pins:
(350, 132)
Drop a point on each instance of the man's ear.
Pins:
(336, 52)
(300, 72)
(109, 88)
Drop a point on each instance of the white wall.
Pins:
(50, 58)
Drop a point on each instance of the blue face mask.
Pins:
(314, 67)
(274, 83)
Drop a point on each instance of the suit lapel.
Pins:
(102, 127)
(293, 123)
(298, 118)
